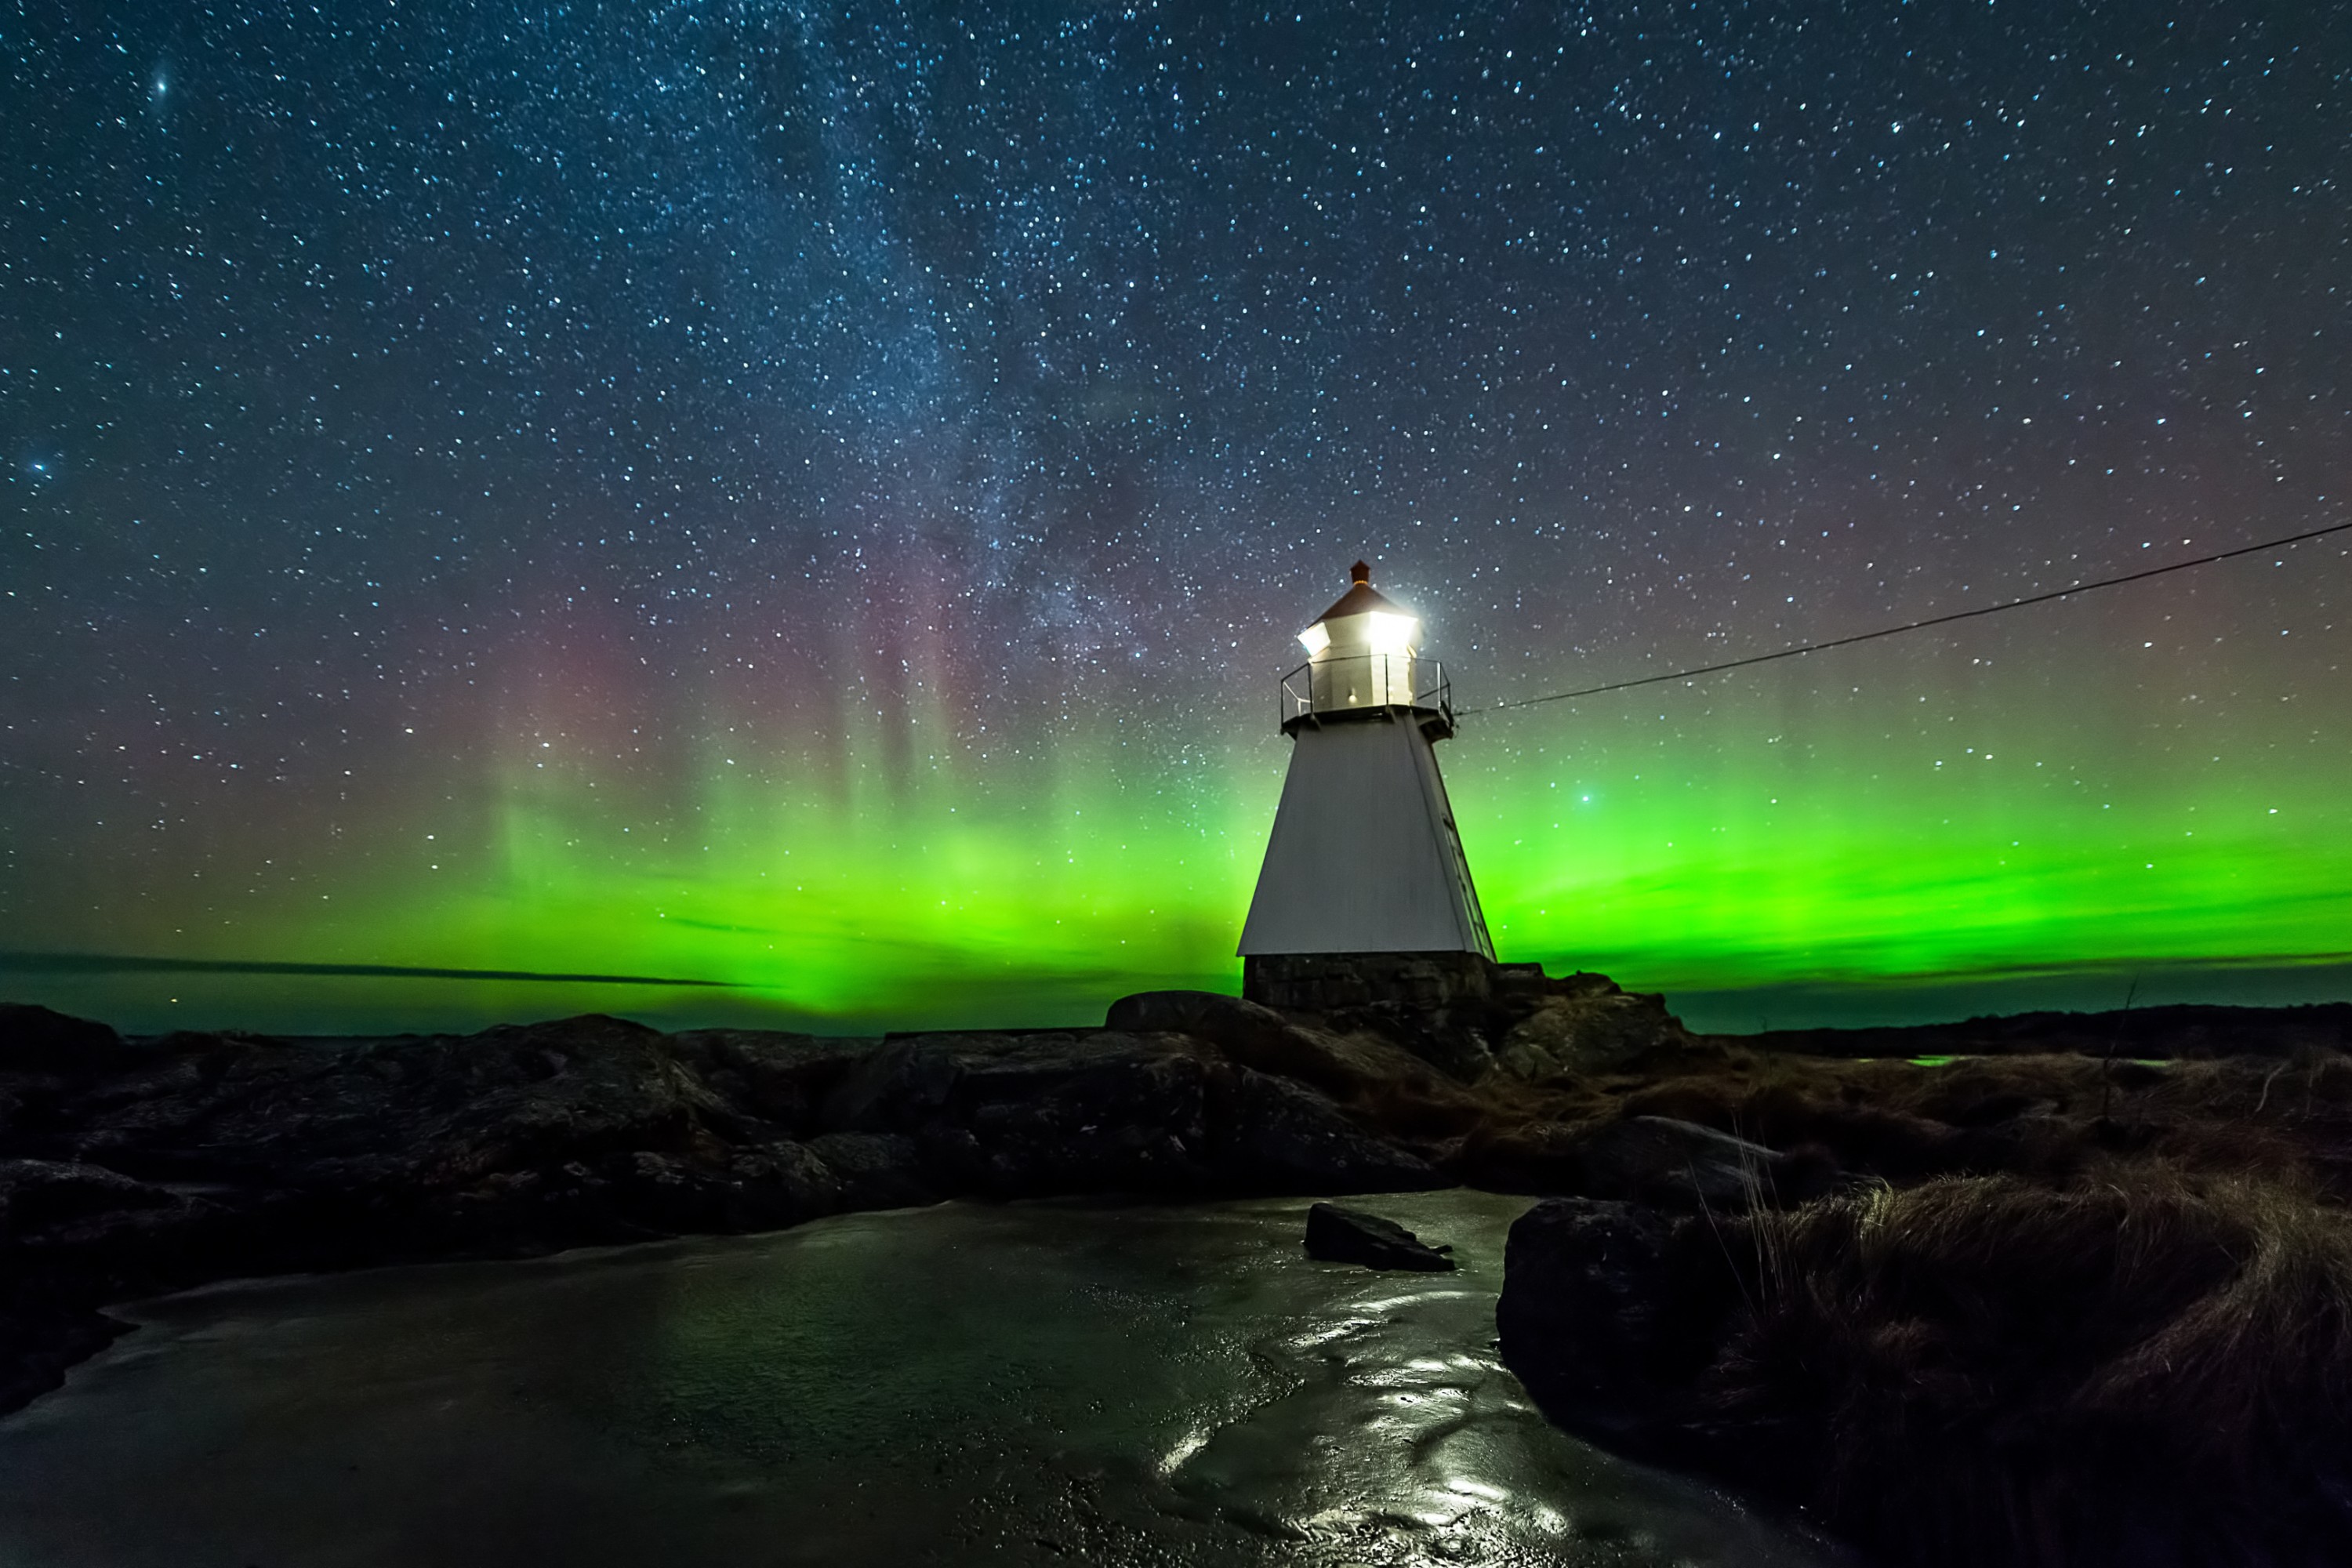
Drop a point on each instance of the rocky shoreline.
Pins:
(135, 1166)
(132, 1167)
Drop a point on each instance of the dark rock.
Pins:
(876, 1170)
(784, 1183)
(1207, 1014)
(1351, 1235)
(1258, 1037)
(769, 1076)
(666, 1195)
(37, 1196)
(98, 1218)
(1578, 1030)
(1274, 1136)
(1454, 1044)
(903, 1084)
(1608, 1314)
(37, 1040)
(41, 1335)
(1107, 1112)
(433, 1111)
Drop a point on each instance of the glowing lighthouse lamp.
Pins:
(1365, 895)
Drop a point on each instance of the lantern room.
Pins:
(1363, 660)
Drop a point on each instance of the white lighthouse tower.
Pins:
(1365, 895)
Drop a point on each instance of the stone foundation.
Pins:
(1320, 982)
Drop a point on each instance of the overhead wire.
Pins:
(1943, 620)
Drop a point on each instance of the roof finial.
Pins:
(1359, 572)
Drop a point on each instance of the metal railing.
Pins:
(1368, 682)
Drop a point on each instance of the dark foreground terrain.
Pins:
(2063, 1289)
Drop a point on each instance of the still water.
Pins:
(1055, 1382)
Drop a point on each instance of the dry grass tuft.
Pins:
(2146, 1367)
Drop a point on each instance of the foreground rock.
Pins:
(1610, 1312)
(1340, 1235)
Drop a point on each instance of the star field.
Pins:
(817, 498)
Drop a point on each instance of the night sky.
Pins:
(818, 498)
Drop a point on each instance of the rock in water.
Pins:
(1351, 1235)
(1608, 1313)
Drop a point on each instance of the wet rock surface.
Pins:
(128, 1167)
(132, 1167)
(1067, 1380)
(1340, 1235)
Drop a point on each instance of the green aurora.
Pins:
(1880, 834)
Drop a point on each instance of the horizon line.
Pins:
(36, 962)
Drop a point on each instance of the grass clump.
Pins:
(2145, 1367)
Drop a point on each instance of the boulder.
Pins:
(901, 1085)
(1340, 1235)
(1272, 1135)
(1208, 1014)
(428, 1111)
(1454, 1046)
(98, 1221)
(1256, 1036)
(37, 1196)
(875, 1170)
(1583, 1029)
(783, 1182)
(42, 1334)
(37, 1040)
(770, 1076)
(1608, 1313)
(1095, 1111)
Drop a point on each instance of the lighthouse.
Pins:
(1365, 895)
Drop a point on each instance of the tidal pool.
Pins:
(1050, 1383)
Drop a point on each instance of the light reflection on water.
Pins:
(1036, 1384)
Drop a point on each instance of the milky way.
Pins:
(817, 499)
